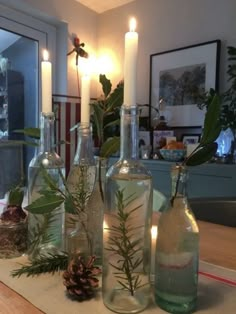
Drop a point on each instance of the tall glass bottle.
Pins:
(127, 224)
(46, 231)
(96, 208)
(176, 274)
(80, 182)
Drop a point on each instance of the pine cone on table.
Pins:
(80, 278)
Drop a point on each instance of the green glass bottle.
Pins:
(127, 225)
(176, 264)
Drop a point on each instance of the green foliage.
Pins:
(121, 243)
(45, 204)
(16, 196)
(228, 111)
(106, 117)
(43, 264)
(211, 130)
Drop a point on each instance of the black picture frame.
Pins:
(177, 78)
(190, 138)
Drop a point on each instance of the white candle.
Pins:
(85, 99)
(130, 64)
(46, 77)
(153, 251)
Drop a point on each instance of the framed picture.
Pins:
(190, 138)
(178, 80)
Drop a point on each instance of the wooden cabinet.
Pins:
(207, 180)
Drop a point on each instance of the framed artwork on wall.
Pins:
(178, 80)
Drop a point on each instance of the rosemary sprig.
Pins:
(43, 264)
(122, 243)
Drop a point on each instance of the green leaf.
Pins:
(69, 205)
(98, 114)
(112, 123)
(45, 204)
(31, 132)
(202, 154)
(106, 84)
(16, 196)
(212, 126)
(111, 146)
(115, 99)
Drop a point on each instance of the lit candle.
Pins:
(130, 63)
(85, 99)
(153, 251)
(46, 77)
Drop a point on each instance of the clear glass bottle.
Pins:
(77, 243)
(127, 225)
(96, 208)
(45, 231)
(81, 180)
(176, 272)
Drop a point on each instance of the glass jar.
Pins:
(176, 264)
(127, 225)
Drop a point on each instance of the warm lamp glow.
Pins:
(45, 55)
(104, 65)
(132, 24)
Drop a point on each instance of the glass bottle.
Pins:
(77, 243)
(80, 181)
(96, 208)
(176, 273)
(45, 231)
(127, 225)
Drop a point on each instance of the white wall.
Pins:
(164, 25)
(81, 21)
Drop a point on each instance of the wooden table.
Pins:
(217, 246)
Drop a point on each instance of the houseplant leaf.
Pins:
(202, 154)
(31, 132)
(111, 146)
(212, 128)
(98, 115)
(106, 84)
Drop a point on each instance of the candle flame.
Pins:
(45, 55)
(154, 232)
(132, 24)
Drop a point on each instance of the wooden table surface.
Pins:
(217, 246)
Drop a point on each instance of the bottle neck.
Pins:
(84, 152)
(47, 134)
(129, 132)
(178, 179)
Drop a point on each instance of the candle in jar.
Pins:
(46, 81)
(85, 99)
(130, 64)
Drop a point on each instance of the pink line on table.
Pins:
(218, 278)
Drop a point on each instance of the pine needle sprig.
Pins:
(122, 243)
(43, 264)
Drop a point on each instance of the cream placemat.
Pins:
(47, 292)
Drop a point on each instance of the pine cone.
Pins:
(80, 278)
